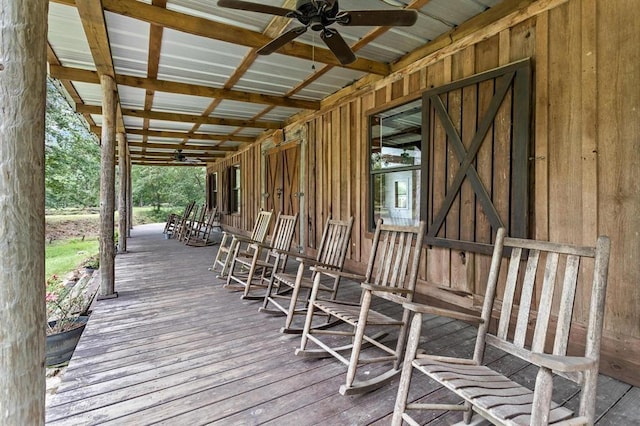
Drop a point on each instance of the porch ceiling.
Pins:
(189, 77)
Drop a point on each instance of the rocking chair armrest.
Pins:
(334, 273)
(290, 253)
(385, 289)
(426, 309)
(244, 239)
(563, 364)
(314, 263)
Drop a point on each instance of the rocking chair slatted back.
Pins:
(521, 330)
(335, 242)
(395, 262)
(261, 227)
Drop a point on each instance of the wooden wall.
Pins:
(586, 138)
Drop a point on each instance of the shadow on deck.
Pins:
(177, 348)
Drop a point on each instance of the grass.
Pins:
(139, 213)
(64, 256)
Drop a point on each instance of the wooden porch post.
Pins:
(129, 195)
(23, 70)
(123, 216)
(107, 188)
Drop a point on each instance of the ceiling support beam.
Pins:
(87, 76)
(229, 33)
(187, 147)
(185, 135)
(180, 117)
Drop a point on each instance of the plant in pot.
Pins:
(67, 317)
(91, 264)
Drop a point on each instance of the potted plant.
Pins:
(91, 264)
(66, 313)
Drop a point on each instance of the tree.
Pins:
(72, 156)
(156, 186)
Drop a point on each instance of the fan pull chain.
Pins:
(313, 51)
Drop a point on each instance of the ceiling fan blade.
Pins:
(338, 46)
(377, 18)
(256, 7)
(278, 42)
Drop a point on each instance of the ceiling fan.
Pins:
(179, 157)
(319, 15)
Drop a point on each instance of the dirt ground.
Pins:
(76, 228)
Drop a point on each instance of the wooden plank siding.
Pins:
(585, 151)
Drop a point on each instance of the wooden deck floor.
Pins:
(176, 348)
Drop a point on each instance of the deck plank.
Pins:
(176, 347)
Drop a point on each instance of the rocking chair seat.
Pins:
(305, 282)
(489, 391)
(349, 313)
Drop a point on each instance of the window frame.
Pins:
(373, 173)
(515, 79)
(235, 181)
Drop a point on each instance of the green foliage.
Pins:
(64, 256)
(72, 166)
(152, 215)
(72, 156)
(175, 186)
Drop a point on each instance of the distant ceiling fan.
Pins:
(319, 15)
(179, 157)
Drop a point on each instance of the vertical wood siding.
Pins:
(585, 153)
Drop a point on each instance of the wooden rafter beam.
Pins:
(186, 147)
(88, 76)
(52, 59)
(229, 33)
(166, 163)
(180, 117)
(504, 14)
(274, 29)
(160, 155)
(185, 135)
(95, 28)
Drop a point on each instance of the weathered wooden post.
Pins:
(123, 216)
(23, 36)
(107, 188)
(129, 195)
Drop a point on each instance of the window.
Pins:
(395, 163)
(458, 159)
(212, 181)
(234, 188)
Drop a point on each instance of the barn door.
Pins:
(282, 180)
(476, 134)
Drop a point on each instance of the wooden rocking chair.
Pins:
(229, 242)
(391, 274)
(540, 338)
(184, 225)
(249, 269)
(174, 219)
(199, 233)
(284, 290)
